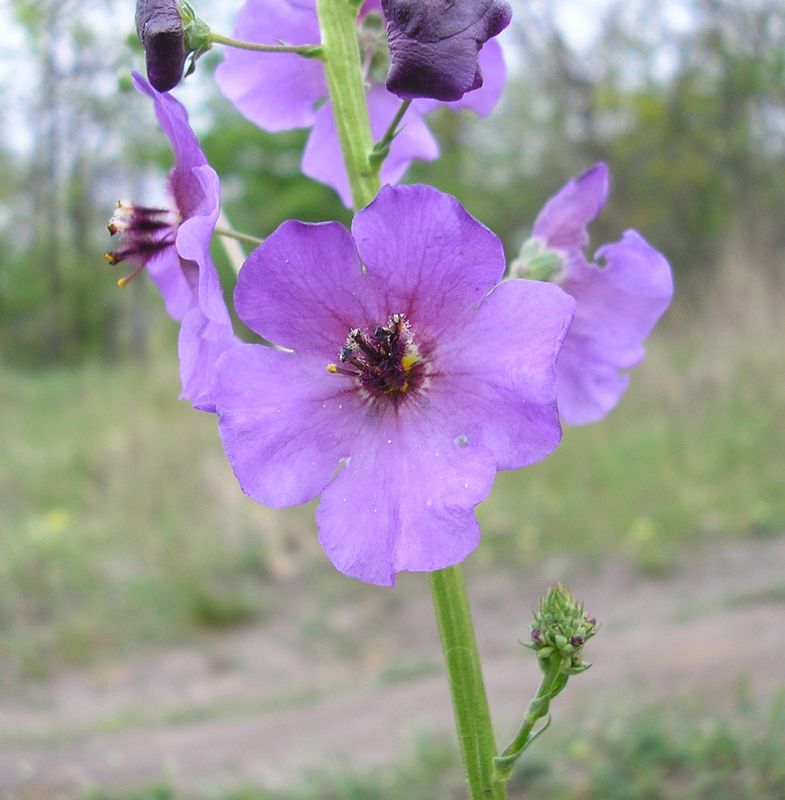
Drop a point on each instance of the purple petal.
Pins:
(483, 100)
(404, 501)
(193, 244)
(434, 45)
(497, 375)
(196, 191)
(285, 422)
(201, 343)
(431, 259)
(323, 160)
(562, 222)
(303, 288)
(176, 281)
(184, 185)
(617, 308)
(276, 91)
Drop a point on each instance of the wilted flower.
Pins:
(278, 91)
(412, 377)
(617, 304)
(170, 32)
(173, 245)
(160, 30)
(434, 44)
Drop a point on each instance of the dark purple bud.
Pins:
(160, 30)
(576, 641)
(434, 44)
(537, 636)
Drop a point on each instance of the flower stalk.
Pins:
(464, 672)
(305, 50)
(337, 24)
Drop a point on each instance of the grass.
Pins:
(121, 524)
(654, 754)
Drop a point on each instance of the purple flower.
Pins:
(617, 304)
(410, 378)
(160, 30)
(434, 44)
(173, 245)
(280, 91)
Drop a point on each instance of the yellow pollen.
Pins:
(408, 361)
(110, 258)
(332, 368)
(122, 282)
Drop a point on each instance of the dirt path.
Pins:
(356, 677)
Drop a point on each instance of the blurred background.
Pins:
(161, 636)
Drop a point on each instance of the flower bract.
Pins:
(281, 91)
(434, 44)
(410, 376)
(618, 302)
(173, 246)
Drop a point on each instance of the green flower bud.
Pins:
(560, 630)
(537, 263)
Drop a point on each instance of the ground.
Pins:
(351, 675)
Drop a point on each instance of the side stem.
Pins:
(470, 704)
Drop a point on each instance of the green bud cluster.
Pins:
(560, 630)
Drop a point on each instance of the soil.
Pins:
(343, 675)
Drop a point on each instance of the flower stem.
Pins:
(381, 149)
(551, 684)
(307, 50)
(337, 23)
(470, 704)
(241, 237)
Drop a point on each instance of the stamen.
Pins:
(386, 363)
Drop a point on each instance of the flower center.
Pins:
(385, 363)
(144, 232)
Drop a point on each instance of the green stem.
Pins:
(338, 26)
(241, 237)
(470, 704)
(552, 683)
(381, 149)
(307, 50)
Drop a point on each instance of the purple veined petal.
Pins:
(285, 422)
(275, 91)
(562, 222)
(432, 260)
(322, 157)
(176, 281)
(200, 344)
(496, 374)
(483, 100)
(404, 501)
(193, 244)
(173, 119)
(303, 288)
(588, 381)
(323, 160)
(617, 308)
